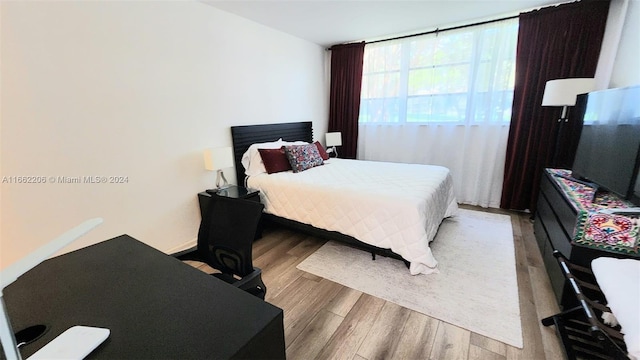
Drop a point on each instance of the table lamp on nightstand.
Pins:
(218, 159)
(333, 139)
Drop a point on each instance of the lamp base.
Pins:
(221, 181)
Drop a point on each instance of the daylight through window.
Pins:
(463, 76)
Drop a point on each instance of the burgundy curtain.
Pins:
(344, 96)
(553, 43)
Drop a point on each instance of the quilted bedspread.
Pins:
(389, 205)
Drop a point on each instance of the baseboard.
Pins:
(185, 246)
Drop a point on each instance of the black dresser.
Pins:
(555, 222)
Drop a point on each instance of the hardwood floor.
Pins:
(325, 320)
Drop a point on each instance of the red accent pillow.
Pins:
(274, 160)
(322, 151)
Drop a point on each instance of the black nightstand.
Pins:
(233, 191)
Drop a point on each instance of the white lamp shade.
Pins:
(218, 158)
(334, 139)
(563, 92)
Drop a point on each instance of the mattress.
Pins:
(389, 205)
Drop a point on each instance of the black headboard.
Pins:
(244, 136)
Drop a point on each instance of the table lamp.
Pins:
(333, 139)
(218, 159)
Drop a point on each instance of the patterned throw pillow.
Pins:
(303, 157)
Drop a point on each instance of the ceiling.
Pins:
(332, 22)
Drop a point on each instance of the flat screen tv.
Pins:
(608, 152)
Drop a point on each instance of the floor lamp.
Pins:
(564, 92)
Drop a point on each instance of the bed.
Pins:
(390, 209)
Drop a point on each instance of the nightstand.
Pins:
(233, 191)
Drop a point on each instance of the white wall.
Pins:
(135, 89)
(626, 68)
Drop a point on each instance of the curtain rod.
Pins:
(438, 30)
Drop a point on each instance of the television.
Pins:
(608, 152)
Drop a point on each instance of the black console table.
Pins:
(155, 306)
(555, 223)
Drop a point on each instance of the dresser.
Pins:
(564, 221)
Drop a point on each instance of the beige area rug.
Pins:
(476, 287)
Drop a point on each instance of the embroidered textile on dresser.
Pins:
(612, 232)
(303, 157)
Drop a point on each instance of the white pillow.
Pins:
(294, 143)
(252, 161)
(619, 280)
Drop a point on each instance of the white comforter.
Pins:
(389, 205)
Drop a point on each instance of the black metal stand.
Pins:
(563, 119)
(583, 336)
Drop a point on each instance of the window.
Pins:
(463, 76)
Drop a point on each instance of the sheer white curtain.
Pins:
(443, 99)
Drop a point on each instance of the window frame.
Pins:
(474, 63)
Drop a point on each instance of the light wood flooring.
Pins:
(325, 320)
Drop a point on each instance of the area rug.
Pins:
(476, 288)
